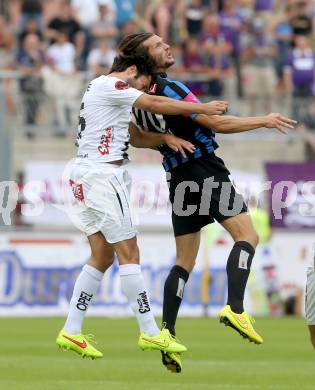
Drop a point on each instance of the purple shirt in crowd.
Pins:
(302, 67)
(264, 5)
(230, 27)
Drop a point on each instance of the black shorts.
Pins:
(201, 192)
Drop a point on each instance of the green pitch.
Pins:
(218, 358)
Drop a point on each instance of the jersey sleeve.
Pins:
(179, 91)
(119, 93)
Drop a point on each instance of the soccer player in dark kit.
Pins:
(200, 190)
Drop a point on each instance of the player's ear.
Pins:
(132, 70)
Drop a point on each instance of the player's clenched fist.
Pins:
(217, 107)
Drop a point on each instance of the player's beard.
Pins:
(163, 65)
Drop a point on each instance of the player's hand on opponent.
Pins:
(216, 107)
(179, 144)
(280, 122)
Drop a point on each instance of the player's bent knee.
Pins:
(312, 338)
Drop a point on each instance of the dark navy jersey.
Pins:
(180, 125)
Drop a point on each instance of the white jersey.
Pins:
(105, 114)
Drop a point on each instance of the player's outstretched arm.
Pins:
(167, 106)
(145, 139)
(233, 124)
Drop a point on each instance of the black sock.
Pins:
(173, 294)
(238, 268)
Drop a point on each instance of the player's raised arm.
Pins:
(167, 106)
(233, 124)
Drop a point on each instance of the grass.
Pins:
(218, 358)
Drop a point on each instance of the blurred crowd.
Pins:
(265, 46)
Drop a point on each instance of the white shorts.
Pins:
(102, 195)
(310, 297)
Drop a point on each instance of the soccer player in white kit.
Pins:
(310, 298)
(101, 188)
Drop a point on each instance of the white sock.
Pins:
(132, 285)
(84, 289)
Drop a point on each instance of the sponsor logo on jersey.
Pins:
(77, 190)
(103, 147)
(120, 85)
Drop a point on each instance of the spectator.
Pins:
(6, 61)
(231, 25)
(193, 62)
(86, 12)
(177, 52)
(51, 9)
(216, 6)
(30, 60)
(306, 129)
(259, 54)
(193, 15)
(31, 9)
(216, 49)
(246, 9)
(128, 28)
(105, 28)
(62, 82)
(192, 57)
(100, 59)
(299, 75)
(220, 69)
(6, 44)
(264, 5)
(30, 28)
(212, 35)
(66, 22)
(61, 54)
(282, 33)
(159, 16)
(309, 139)
(126, 12)
(300, 20)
